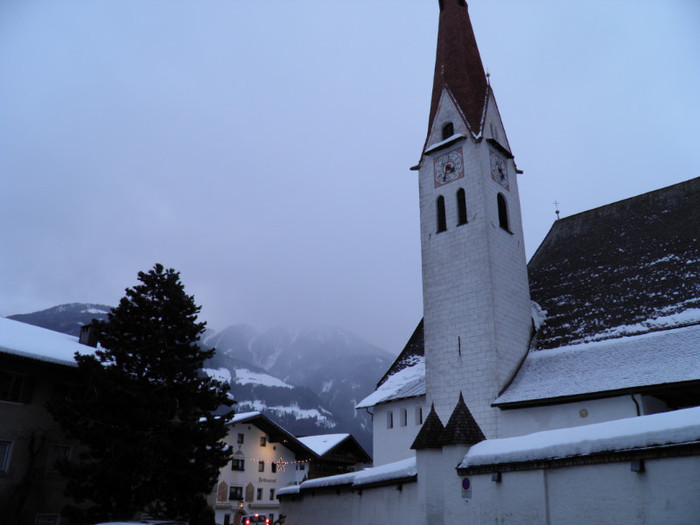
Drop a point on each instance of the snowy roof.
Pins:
(399, 471)
(618, 267)
(323, 443)
(627, 363)
(668, 428)
(33, 342)
(277, 433)
(408, 382)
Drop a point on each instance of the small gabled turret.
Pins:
(430, 434)
(462, 428)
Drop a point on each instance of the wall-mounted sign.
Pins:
(466, 489)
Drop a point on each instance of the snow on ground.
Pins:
(323, 443)
(293, 410)
(408, 382)
(223, 375)
(248, 377)
(679, 426)
(39, 343)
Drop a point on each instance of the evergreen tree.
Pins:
(149, 439)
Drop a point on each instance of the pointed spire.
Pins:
(430, 433)
(458, 64)
(462, 428)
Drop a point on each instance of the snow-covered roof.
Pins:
(276, 432)
(656, 358)
(323, 443)
(397, 471)
(668, 428)
(623, 268)
(408, 382)
(33, 342)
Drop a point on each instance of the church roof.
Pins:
(430, 434)
(647, 362)
(458, 65)
(629, 267)
(405, 377)
(462, 428)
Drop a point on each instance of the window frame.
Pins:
(238, 464)
(441, 215)
(261, 466)
(234, 490)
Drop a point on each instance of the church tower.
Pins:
(476, 298)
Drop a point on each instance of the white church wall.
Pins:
(393, 444)
(520, 421)
(387, 505)
(610, 493)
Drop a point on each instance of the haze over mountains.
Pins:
(307, 380)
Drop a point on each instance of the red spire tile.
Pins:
(458, 64)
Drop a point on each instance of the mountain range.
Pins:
(306, 380)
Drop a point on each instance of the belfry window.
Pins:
(461, 207)
(441, 220)
(502, 212)
(448, 130)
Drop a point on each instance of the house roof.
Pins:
(32, 342)
(620, 268)
(277, 433)
(458, 65)
(336, 443)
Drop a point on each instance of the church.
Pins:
(565, 389)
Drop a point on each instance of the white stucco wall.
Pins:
(393, 444)
(667, 492)
(371, 506)
(521, 421)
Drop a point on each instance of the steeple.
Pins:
(458, 65)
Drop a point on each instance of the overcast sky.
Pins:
(262, 148)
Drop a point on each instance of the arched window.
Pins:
(461, 207)
(502, 212)
(441, 221)
(448, 130)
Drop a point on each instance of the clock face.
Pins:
(448, 167)
(499, 170)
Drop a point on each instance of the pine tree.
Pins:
(150, 442)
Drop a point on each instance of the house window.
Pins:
(390, 419)
(461, 207)
(502, 212)
(5, 447)
(258, 494)
(273, 467)
(448, 130)
(419, 415)
(241, 437)
(272, 494)
(261, 466)
(301, 466)
(404, 417)
(56, 453)
(238, 464)
(16, 388)
(235, 493)
(263, 441)
(441, 221)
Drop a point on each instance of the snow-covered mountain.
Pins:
(65, 318)
(334, 366)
